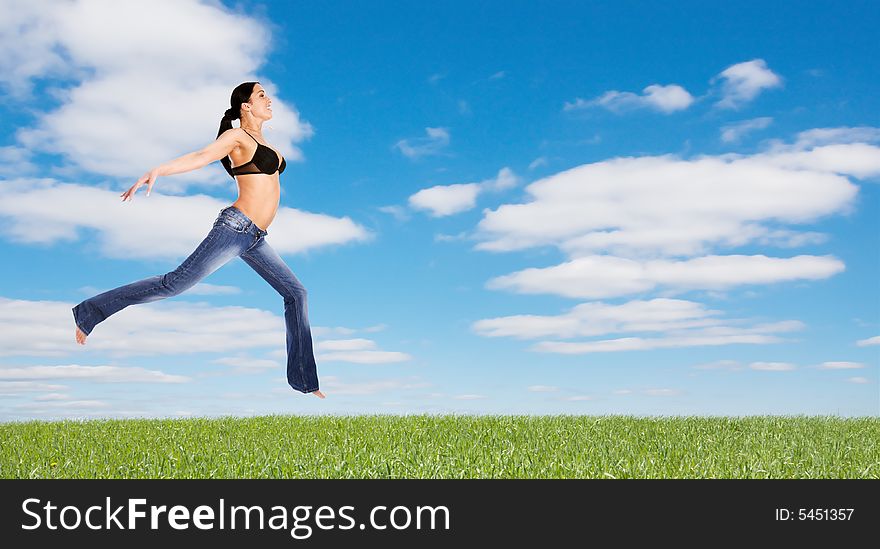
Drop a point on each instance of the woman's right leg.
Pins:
(220, 246)
(302, 371)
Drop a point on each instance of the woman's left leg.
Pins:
(302, 372)
(221, 245)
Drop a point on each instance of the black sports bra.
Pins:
(265, 160)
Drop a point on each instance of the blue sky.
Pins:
(500, 207)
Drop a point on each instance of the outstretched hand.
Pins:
(148, 178)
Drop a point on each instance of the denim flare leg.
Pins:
(233, 235)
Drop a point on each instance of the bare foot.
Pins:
(80, 336)
(318, 394)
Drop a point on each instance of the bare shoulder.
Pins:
(233, 139)
(227, 142)
(233, 134)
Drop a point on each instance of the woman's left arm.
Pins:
(188, 162)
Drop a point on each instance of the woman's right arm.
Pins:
(214, 151)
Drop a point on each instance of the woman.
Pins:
(239, 231)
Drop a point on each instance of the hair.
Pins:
(241, 94)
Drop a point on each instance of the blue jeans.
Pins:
(233, 235)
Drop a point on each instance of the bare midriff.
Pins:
(258, 197)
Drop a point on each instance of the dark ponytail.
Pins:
(241, 94)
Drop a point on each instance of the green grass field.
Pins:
(425, 446)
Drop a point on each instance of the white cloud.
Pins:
(110, 121)
(16, 161)
(540, 161)
(363, 357)
(52, 397)
(357, 350)
(664, 205)
(680, 323)
(443, 200)
(832, 136)
(505, 179)
(398, 212)
(858, 379)
(662, 392)
(46, 328)
(870, 341)
(335, 386)
(434, 143)
(697, 338)
(542, 388)
(246, 364)
(776, 366)
(498, 75)
(744, 81)
(343, 330)
(39, 407)
(469, 397)
(11, 388)
(44, 211)
(666, 99)
(840, 365)
(102, 374)
(844, 150)
(720, 365)
(606, 276)
(772, 366)
(597, 318)
(731, 133)
(357, 344)
(440, 237)
(203, 288)
(27, 40)
(859, 160)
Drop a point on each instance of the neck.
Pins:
(252, 125)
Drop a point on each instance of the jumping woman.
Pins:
(239, 231)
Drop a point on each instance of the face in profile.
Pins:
(261, 105)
